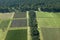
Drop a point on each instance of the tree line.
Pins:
(33, 26)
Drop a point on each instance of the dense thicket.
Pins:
(33, 26)
(27, 5)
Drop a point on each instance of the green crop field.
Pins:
(48, 20)
(4, 24)
(8, 33)
(17, 35)
(47, 14)
(44, 19)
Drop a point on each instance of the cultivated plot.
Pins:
(4, 24)
(48, 19)
(17, 35)
(51, 33)
(20, 15)
(47, 15)
(19, 23)
(48, 22)
(2, 34)
(6, 15)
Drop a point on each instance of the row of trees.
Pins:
(27, 5)
(33, 26)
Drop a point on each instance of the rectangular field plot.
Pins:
(51, 33)
(49, 22)
(16, 35)
(20, 15)
(19, 23)
(47, 15)
(4, 23)
(6, 15)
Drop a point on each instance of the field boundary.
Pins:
(8, 26)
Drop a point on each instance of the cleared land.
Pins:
(17, 35)
(20, 15)
(19, 23)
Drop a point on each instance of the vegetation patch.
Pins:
(17, 35)
(33, 26)
(4, 24)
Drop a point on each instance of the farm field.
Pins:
(6, 16)
(12, 24)
(51, 33)
(4, 22)
(48, 14)
(20, 15)
(17, 35)
(19, 23)
(50, 21)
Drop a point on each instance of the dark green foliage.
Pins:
(33, 25)
(27, 5)
(22, 5)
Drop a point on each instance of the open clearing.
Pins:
(17, 35)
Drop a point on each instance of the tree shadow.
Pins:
(4, 11)
(50, 10)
